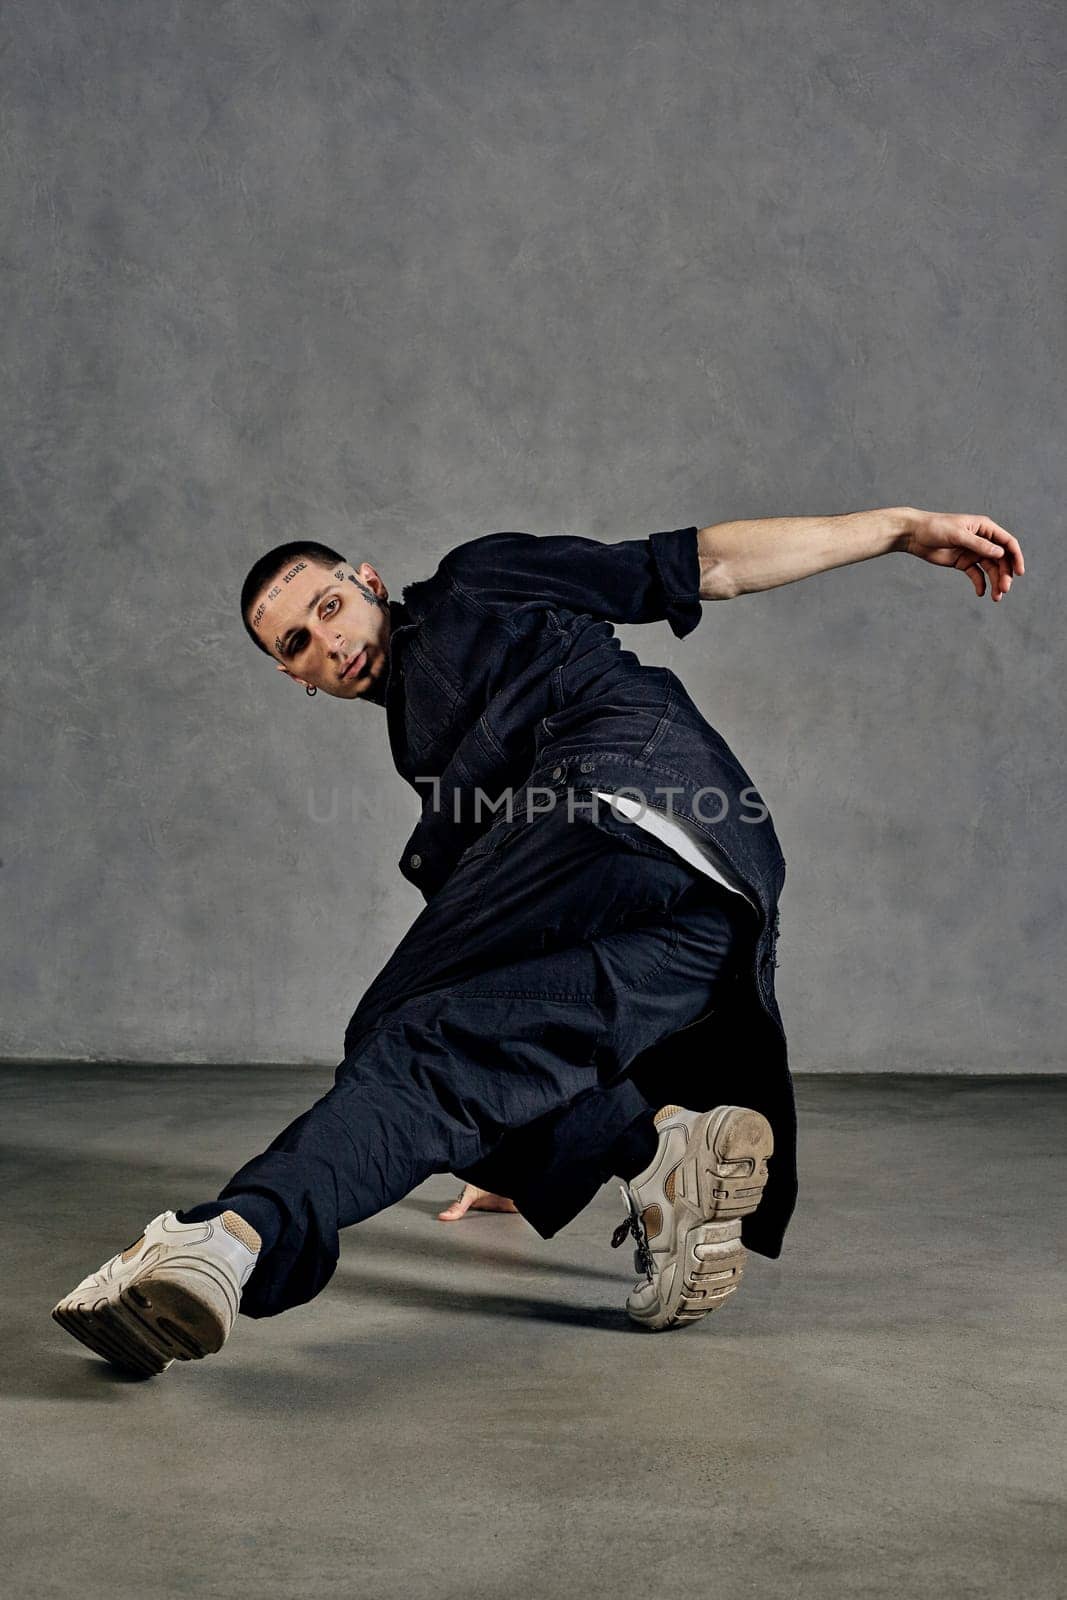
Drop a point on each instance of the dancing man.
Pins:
(588, 990)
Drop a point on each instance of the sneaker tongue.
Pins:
(664, 1112)
(242, 1230)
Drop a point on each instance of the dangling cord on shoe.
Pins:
(634, 1225)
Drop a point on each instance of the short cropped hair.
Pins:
(278, 560)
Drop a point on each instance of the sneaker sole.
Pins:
(720, 1180)
(180, 1311)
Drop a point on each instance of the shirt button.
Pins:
(415, 862)
(586, 766)
(557, 772)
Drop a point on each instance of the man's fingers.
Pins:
(1009, 543)
(459, 1206)
(979, 543)
(475, 1199)
(974, 571)
(985, 567)
(992, 570)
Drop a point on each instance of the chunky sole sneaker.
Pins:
(685, 1211)
(172, 1295)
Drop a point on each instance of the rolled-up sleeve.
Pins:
(630, 580)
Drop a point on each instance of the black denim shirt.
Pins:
(505, 678)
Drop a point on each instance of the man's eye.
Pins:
(299, 641)
(332, 601)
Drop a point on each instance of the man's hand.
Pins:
(473, 1199)
(978, 546)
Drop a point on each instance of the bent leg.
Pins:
(554, 1167)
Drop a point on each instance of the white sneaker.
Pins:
(172, 1295)
(685, 1211)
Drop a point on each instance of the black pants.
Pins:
(519, 1037)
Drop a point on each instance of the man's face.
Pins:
(326, 627)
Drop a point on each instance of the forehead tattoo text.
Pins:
(272, 594)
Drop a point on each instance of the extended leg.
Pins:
(533, 980)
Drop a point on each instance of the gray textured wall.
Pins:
(394, 274)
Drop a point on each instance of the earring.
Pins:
(309, 688)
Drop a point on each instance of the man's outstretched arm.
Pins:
(742, 557)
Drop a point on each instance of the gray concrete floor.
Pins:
(466, 1411)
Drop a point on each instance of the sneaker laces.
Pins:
(634, 1225)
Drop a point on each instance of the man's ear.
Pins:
(366, 574)
(282, 668)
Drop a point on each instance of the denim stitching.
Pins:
(665, 721)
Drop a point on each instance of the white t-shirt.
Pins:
(684, 839)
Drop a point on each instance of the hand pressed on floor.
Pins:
(473, 1199)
